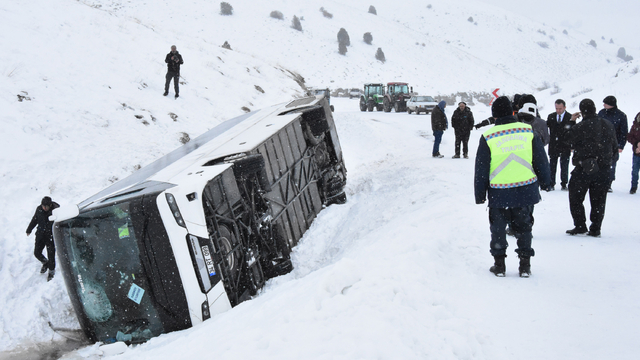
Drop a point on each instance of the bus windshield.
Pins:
(111, 284)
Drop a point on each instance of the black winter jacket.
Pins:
(620, 125)
(173, 62)
(559, 132)
(439, 120)
(41, 219)
(462, 121)
(593, 137)
(516, 197)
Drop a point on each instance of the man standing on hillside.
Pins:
(509, 164)
(462, 123)
(619, 121)
(559, 123)
(439, 124)
(44, 235)
(173, 60)
(594, 145)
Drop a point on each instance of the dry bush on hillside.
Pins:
(226, 8)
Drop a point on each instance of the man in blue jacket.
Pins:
(619, 121)
(511, 167)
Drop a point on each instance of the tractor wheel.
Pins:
(363, 104)
(386, 105)
(379, 107)
(396, 107)
(370, 105)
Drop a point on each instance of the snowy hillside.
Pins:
(82, 107)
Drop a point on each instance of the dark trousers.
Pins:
(464, 139)
(176, 81)
(521, 222)
(437, 134)
(597, 186)
(43, 240)
(614, 162)
(564, 167)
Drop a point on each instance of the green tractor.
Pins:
(373, 97)
(397, 96)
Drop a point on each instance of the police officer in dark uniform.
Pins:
(44, 235)
(594, 145)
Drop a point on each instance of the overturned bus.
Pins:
(201, 229)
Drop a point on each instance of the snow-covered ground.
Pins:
(398, 271)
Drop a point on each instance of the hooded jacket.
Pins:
(539, 126)
(512, 197)
(439, 118)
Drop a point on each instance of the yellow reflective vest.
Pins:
(511, 148)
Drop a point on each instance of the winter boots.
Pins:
(577, 230)
(525, 266)
(44, 268)
(498, 268)
(51, 274)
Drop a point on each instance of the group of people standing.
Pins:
(512, 166)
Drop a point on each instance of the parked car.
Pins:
(354, 93)
(421, 103)
(201, 229)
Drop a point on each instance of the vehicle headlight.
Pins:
(173, 206)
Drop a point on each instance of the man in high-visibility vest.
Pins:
(511, 167)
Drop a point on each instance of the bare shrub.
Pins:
(258, 88)
(622, 54)
(343, 37)
(372, 10)
(246, 109)
(342, 48)
(184, 138)
(326, 14)
(277, 15)
(556, 89)
(380, 55)
(295, 23)
(583, 91)
(470, 19)
(543, 45)
(565, 32)
(226, 8)
(593, 43)
(367, 37)
(545, 85)
(226, 45)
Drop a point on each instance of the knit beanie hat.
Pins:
(501, 107)
(611, 101)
